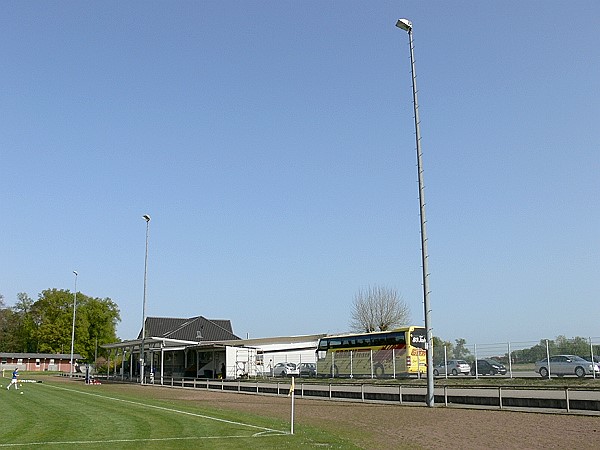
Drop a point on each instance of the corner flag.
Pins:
(291, 394)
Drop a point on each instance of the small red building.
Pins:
(38, 361)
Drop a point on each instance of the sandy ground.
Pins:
(377, 426)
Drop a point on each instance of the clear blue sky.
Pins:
(272, 143)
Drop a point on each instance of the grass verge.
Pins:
(59, 413)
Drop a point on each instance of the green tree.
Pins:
(52, 317)
(460, 350)
(9, 323)
(52, 314)
(575, 346)
(438, 350)
(25, 325)
(100, 318)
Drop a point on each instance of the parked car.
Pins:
(454, 366)
(488, 367)
(308, 370)
(285, 369)
(561, 365)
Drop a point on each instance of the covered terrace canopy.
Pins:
(152, 345)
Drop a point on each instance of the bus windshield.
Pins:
(418, 338)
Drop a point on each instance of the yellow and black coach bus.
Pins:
(386, 354)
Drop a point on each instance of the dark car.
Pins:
(488, 367)
(308, 370)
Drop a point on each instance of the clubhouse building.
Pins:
(197, 347)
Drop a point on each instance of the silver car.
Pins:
(566, 365)
(285, 369)
(455, 367)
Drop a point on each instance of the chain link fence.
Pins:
(516, 357)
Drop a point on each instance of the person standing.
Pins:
(15, 377)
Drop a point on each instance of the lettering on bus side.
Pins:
(356, 354)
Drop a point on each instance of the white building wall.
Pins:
(259, 360)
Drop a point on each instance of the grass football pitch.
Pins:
(59, 414)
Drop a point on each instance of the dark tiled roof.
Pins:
(192, 329)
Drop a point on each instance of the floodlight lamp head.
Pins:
(75, 272)
(146, 217)
(404, 24)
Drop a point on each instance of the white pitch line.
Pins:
(117, 441)
(162, 408)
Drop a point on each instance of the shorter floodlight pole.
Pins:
(73, 329)
(146, 217)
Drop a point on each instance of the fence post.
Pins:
(332, 365)
(329, 390)
(362, 392)
(400, 393)
(500, 395)
(446, 362)
(567, 398)
(446, 395)
(548, 356)
(509, 361)
(351, 368)
(476, 368)
(592, 359)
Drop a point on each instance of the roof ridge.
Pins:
(182, 325)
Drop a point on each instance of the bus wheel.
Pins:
(335, 371)
(379, 372)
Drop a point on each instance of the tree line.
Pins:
(45, 325)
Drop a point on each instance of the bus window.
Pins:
(335, 343)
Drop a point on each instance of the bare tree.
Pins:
(378, 309)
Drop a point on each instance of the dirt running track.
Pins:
(377, 426)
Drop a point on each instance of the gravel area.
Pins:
(380, 426)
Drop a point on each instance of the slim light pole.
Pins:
(73, 329)
(406, 25)
(146, 217)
